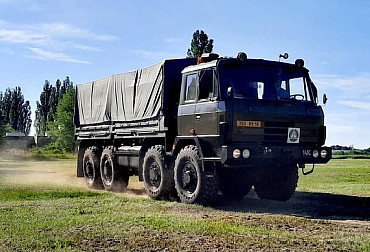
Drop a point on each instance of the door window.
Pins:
(191, 87)
(206, 84)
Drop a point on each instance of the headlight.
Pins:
(324, 153)
(315, 153)
(246, 153)
(236, 153)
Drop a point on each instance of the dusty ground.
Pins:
(304, 204)
(340, 215)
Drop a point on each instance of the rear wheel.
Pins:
(279, 185)
(90, 168)
(113, 178)
(192, 183)
(235, 183)
(158, 180)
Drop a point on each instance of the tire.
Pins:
(280, 185)
(90, 168)
(113, 179)
(235, 183)
(158, 180)
(191, 182)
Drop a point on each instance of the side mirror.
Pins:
(230, 92)
(324, 99)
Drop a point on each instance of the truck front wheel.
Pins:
(278, 185)
(113, 179)
(192, 184)
(90, 168)
(158, 180)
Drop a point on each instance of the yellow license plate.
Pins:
(252, 124)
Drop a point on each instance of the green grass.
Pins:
(43, 207)
(347, 177)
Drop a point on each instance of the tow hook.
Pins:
(303, 166)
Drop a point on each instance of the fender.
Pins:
(182, 141)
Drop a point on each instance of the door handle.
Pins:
(197, 117)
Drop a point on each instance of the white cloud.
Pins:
(23, 37)
(45, 55)
(353, 85)
(357, 105)
(46, 37)
(87, 48)
(46, 34)
(66, 30)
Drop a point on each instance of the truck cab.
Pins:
(258, 119)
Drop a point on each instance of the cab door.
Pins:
(188, 97)
(207, 106)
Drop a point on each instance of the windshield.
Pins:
(265, 82)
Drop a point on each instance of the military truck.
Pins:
(191, 128)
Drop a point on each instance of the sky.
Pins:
(91, 39)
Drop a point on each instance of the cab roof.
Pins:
(250, 62)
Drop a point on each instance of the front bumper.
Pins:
(273, 155)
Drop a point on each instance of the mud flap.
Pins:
(81, 151)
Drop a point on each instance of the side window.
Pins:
(191, 87)
(206, 84)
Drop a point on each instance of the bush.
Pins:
(50, 152)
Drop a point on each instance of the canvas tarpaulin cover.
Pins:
(125, 97)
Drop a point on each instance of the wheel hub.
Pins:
(154, 175)
(189, 178)
(186, 177)
(89, 170)
(107, 170)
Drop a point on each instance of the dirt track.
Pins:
(306, 204)
(303, 204)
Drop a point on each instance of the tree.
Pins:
(2, 127)
(15, 111)
(200, 44)
(42, 109)
(6, 104)
(25, 120)
(46, 107)
(62, 129)
(17, 101)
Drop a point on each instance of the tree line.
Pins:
(53, 114)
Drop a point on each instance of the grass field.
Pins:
(43, 207)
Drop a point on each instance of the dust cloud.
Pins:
(19, 169)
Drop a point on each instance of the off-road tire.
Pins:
(192, 183)
(235, 183)
(280, 185)
(113, 179)
(91, 169)
(158, 180)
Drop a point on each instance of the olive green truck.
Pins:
(191, 128)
